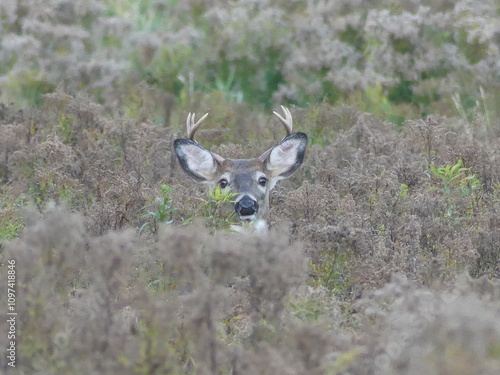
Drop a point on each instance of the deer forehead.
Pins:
(242, 166)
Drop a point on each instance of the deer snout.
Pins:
(246, 206)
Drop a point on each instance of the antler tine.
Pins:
(192, 126)
(287, 121)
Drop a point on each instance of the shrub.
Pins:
(403, 60)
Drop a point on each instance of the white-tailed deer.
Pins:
(251, 179)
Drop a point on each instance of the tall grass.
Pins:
(383, 253)
(401, 60)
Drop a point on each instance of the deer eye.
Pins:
(223, 183)
(262, 181)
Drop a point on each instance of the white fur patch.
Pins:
(257, 226)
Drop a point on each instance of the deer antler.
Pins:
(287, 121)
(192, 126)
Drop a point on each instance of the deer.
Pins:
(251, 179)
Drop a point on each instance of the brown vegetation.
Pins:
(383, 257)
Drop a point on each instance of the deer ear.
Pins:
(197, 161)
(284, 158)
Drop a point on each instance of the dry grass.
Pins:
(373, 266)
(383, 257)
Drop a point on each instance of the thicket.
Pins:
(384, 255)
(400, 58)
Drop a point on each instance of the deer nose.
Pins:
(246, 206)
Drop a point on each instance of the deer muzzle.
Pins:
(246, 206)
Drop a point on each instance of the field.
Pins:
(383, 255)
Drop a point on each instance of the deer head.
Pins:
(251, 179)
